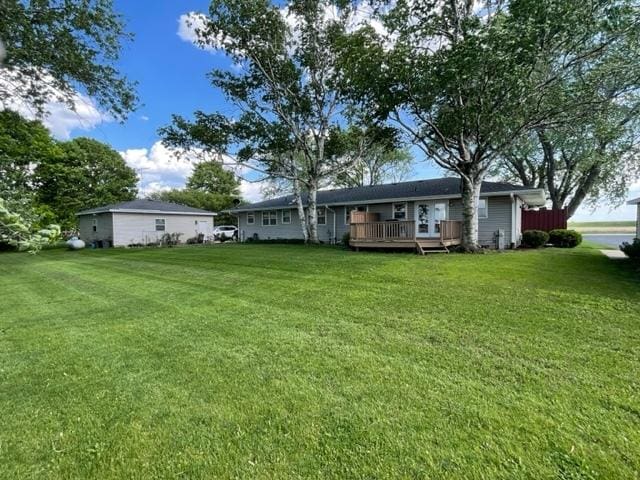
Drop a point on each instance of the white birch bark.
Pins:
(303, 221)
(313, 213)
(470, 198)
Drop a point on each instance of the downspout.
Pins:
(514, 233)
(334, 241)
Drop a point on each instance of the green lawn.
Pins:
(272, 361)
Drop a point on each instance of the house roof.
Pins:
(447, 187)
(141, 205)
(634, 201)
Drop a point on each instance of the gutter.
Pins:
(160, 212)
(251, 208)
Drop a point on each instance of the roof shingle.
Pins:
(141, 204)
(444, 187)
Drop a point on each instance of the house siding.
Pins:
(326, 232)
(131, 228)
(284, 231)
(500, 217)
(104, 228)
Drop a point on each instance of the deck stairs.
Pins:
(430, 246)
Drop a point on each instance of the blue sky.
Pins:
(171, 73)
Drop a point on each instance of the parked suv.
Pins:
(225, 232)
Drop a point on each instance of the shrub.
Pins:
(565, 238)
(631, 250)
(534, 238)
(346, 238)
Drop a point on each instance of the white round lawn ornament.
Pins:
(75, 244)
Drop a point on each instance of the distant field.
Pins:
(626, 226)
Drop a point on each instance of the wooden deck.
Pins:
(402, 234)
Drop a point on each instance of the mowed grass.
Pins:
(273, 361)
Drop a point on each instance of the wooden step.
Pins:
(430, 246)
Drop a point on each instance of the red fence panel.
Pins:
(544, 219)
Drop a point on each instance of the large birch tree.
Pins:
(465, 79)
(288, 109)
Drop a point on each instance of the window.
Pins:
(483, 208)
(95, 225)
(400, 211)
(286, 217)
(159, 224)
(321, 215)
(269, 218)
(251, 218)
(348, 209)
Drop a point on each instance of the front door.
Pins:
(428, 217)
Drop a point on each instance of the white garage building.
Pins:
(142, 221)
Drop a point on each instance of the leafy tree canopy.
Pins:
(20, 233)
(23, 144)
(466, 79)
(87, 174)
(212, 177)
(290, 113)
(213, 202)
(55, 47)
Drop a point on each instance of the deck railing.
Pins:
(402, 230)
(384, 231)
(450, 230)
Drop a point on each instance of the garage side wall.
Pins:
(131, 228)
(104, 227)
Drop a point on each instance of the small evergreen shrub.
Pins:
(534, 238)
(631, 250)
(565, 238)
(346, 238)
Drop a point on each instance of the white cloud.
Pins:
(251, 191)
(162, 168)
(188, 26)
(363, 14)
(144, 118)
(60, 118)
(159, 167)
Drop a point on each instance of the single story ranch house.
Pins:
(142, 221)
(423, 213)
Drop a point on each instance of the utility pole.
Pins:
(140, 191)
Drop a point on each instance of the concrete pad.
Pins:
(615, 254)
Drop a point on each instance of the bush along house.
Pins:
(422, 214)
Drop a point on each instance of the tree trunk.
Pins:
(313, 214)
(303, 222)
(471, 184)
(550, 169)
(583, 190)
